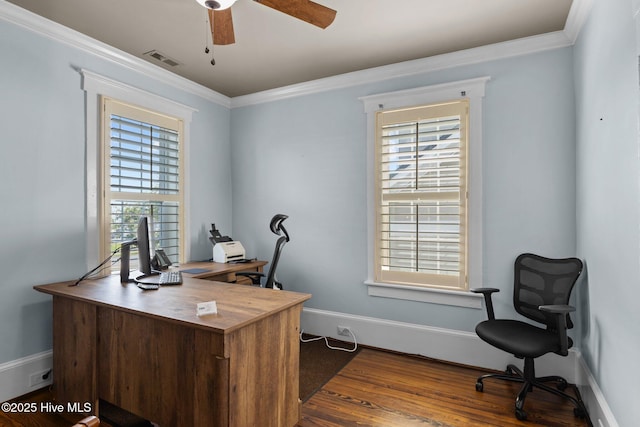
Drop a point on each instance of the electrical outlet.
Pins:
(344, 331)
(40, 378)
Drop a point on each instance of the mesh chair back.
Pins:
(271, 276)
(277, 228)
(543, 281)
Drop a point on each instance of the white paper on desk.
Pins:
(205, 308)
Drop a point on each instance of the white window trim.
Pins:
(96, 85)
(474, 90)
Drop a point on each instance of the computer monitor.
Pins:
(144, 251)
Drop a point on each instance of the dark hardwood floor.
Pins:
(379, 388)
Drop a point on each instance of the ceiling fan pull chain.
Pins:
(206, 37)
(208, 25)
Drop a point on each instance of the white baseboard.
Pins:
(438, 343)
(458, 347)
(599, 411)
(24, 375)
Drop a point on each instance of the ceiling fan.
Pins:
(222, 22)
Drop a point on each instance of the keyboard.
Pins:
(168, 278)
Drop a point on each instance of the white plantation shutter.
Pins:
(142, 176)
(421, 195)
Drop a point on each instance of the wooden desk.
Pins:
(148, 352)
(224, 272)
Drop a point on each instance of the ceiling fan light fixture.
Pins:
(216, 4)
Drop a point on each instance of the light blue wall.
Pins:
(306, 157)
(608, 205)
(42, 168)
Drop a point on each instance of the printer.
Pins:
(228, 251)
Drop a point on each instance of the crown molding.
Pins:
(512, 48)
(59, 33)
(578, 14)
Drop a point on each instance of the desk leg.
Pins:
(264, 371)
(74, 353)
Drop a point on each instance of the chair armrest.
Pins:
(557, 309)
(255, 276)
(561, 312)
(488, 302)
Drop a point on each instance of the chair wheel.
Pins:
(579, 412)
(520, 414)
(479, 386)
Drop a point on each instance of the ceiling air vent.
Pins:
(157, 56)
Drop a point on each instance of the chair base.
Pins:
(529, 381)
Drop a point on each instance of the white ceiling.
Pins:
(274, 50)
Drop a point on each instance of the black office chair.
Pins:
(271, 282)
(542, 287)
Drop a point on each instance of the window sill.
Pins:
(417, 293)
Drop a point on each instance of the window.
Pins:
(142, 175)
(424, 157)
(421, 215)
(98, 88)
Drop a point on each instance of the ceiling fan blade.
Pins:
(306, 10)
(222, 26)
